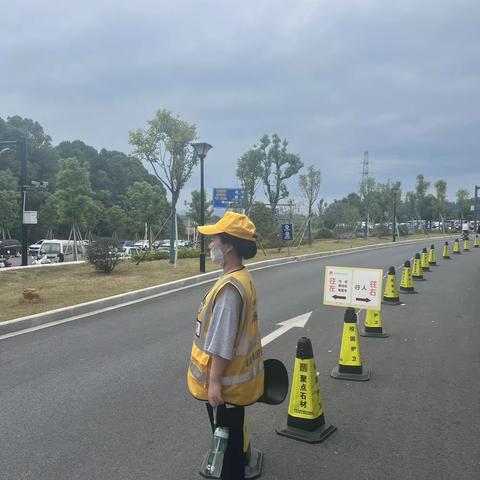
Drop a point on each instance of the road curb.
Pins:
(125, 299)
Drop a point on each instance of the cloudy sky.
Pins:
(400, 79)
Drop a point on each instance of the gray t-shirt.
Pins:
(224, 323)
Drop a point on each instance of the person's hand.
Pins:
(215, 393)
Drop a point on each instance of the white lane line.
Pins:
(285, 326)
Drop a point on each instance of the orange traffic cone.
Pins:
(406, 285)
(432, 256)
(475, 242)
(373, 325)
(306, 420)
(350, 364)
(446, 253)
(417, 273)
(456, 247)
(391, 296)
(424, 260)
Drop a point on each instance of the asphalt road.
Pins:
(105, 397)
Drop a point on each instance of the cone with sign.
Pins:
(306, 419)
(417, 273)
(406, 285)
(373, 325)
(466, 245)
(432, 256)
(456, 247)
(424, 260)
(391, 296)
(475, 242)
(446, 252)
(350, 364)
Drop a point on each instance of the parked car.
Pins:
(127, 243)
(34, 249)
(128, 252)
(142, 244)
(59, 250)
(10, 247)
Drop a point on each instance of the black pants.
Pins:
(235, 459)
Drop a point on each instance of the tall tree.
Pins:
(310, 186)
(421, 188)
(73, 197)
(441, 195)
(249, 172)
(463, 201)
(194, 208)
(165, 146)
(278, 165)
(9, 206)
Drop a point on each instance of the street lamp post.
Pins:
(201, 149)
(21, 149)
(477, 188)
(394, 223)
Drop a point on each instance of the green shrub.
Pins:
(150, 256)
(323, 232)
(188, 252)
(104, 254)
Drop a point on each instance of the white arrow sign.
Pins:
(285, 326)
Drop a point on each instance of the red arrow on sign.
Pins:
(366, 300)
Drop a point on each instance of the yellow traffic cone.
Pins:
(306, 420)
(373, 325)
(475, 242)
(446, 253)
(456, 247)
(406, 285)
(432, 256)
(350, 364)
(466, 245)
(424, 261)
(417, 273)
(391, 296)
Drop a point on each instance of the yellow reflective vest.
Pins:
(242, 381)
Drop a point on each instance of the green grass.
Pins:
(72, 284)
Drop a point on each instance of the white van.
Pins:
(59, 250)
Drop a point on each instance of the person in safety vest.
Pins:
(226, 362)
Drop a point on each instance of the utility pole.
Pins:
(477, 188)
(364, 186)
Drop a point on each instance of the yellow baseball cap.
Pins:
(235, 224)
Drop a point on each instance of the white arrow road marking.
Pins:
(285, 326)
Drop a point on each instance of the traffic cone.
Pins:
(456, 247)
(406, 285)
(466, 245)
(432, 256)
(350, 364)
(424, 261)
(306, 420)
(475, 242)
(446, 253)
(373, 325)
(391, 296)
(417, 273)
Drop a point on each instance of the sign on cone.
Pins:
(373, 325)
(391, 296)
(417, 274)
(446, 253)
(456, 247)
(475, 242)
(424, 261)
(406, 285)
(350, 363)
(432, 256)
(306, 420)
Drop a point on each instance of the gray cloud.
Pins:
(335, 78)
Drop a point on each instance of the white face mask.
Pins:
(216, 256)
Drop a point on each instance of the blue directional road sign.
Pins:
(287, 231)
(228, 197)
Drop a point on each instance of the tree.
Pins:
(146, 204)
(194, 210)
(441, 192)
(264, 222)
(165, 146)
(421, 188)
(310, 186)
(249, 172)
(463, 201)
(73, 197)
(341, 213)
(278, 165)
(9, 206)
